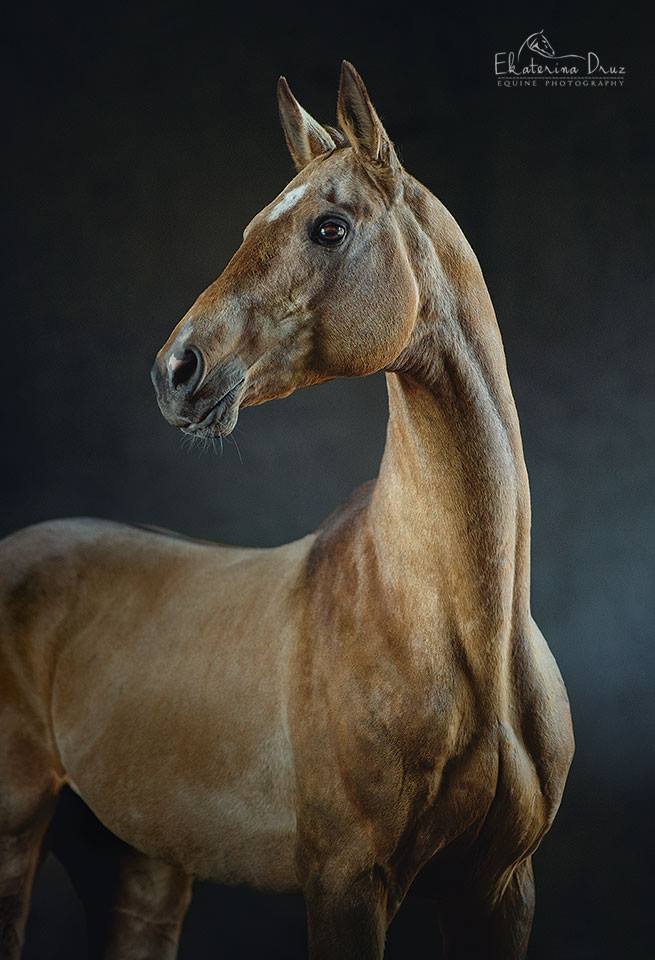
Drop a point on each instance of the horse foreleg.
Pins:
(134, 911)
(134, 905)
(146, 915)
(474, 929)
(346, 918)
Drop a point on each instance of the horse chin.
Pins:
(226, 424)
(220, 425)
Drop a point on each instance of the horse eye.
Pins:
(329, 232)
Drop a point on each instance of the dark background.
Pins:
(139, 141)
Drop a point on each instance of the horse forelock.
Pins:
(339, 137)
(343, 178)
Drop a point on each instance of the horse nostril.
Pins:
(186, 371)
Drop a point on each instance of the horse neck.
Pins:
(451, 509)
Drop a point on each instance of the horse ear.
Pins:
(363, 127)
(305, 137)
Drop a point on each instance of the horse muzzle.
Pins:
(200, 401)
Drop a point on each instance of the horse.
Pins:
(539, 43)
(370, 705)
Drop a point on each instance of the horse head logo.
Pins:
(539, 43)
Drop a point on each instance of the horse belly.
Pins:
(229, 825)
(180, 747)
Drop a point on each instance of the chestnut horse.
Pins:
(333, 716)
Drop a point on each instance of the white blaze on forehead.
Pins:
(288, 201)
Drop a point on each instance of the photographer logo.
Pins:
(536, 63)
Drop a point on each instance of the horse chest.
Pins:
(400, 745)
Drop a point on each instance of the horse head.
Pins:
(320, 288)
(539, 43)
